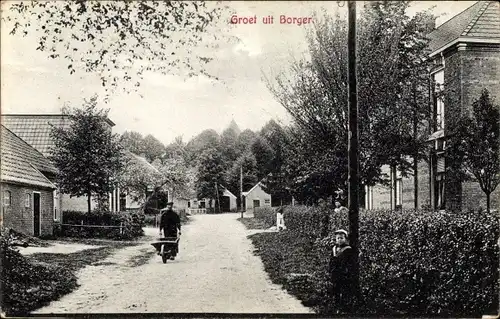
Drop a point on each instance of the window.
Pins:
(27, 201)
(267, 201)
(6, 198)
(369, 197)
(438, 79)
(56, 204)
(440, 187)
(399, 192)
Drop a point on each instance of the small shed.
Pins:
(256, 197)
(27, 190)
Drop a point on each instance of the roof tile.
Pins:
(21, 163)
(479, 20)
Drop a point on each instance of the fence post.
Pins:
(121, 228)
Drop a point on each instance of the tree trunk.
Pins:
(488, 195)
(415, 181)
(89, 201)
(415, 154)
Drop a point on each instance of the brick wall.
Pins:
(467, 72)
(480, 70)
(19, 217)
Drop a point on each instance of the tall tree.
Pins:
(175, 149)
(229, 139)
(245, 140)
(209, 174)
(148, 36)
(87, 155)
(474, 146)
(153, 148)
(197, 145)
(132, 141)
(315, 94)
(264, 156)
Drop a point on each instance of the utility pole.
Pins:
(353, 144)
(218, 197)
(241, 190)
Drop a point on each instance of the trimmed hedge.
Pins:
(412, 262)
(267, 215)
(27, 286)
(132, 223)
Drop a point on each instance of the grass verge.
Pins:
(292, 266)
(253, 223)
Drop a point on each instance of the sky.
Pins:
(170, 105)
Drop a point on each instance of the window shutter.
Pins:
(440, 164)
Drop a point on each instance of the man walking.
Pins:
(170, 223)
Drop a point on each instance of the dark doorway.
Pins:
(256, 203)
(36, 214)
(225, 204)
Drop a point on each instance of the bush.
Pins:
(416, 262)
(27, 286)
(132, 223)
(267, 215)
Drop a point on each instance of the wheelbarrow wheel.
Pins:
(163, 254)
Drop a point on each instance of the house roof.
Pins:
(142, 161)
(35, 128)
(21, 163)
(481, 21)
(251, 189)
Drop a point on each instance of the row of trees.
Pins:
(217, 160)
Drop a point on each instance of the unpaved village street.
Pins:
(215, 271)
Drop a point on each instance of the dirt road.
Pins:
(215, 271)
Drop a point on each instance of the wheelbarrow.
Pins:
(166, 247)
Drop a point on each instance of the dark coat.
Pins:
(170, 222)
(341, 261)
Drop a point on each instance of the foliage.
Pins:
(391, 54)
(245, 139)
(207, 139)
(267, 215)
(412, 262)
(149, 36)
(138, 176)
(210, 173)
(87, 155)
(132, 223)
(27, 285)
(153, 148)
(247, 165)
(264, 156)
(132, 141)
(229, 139)
(474, 145)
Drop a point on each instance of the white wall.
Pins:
(257, 194)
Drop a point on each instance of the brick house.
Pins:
(465, 52)
(35, 129)
(26, 187)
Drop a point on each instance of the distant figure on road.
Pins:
(170, 223)
(341, 261)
